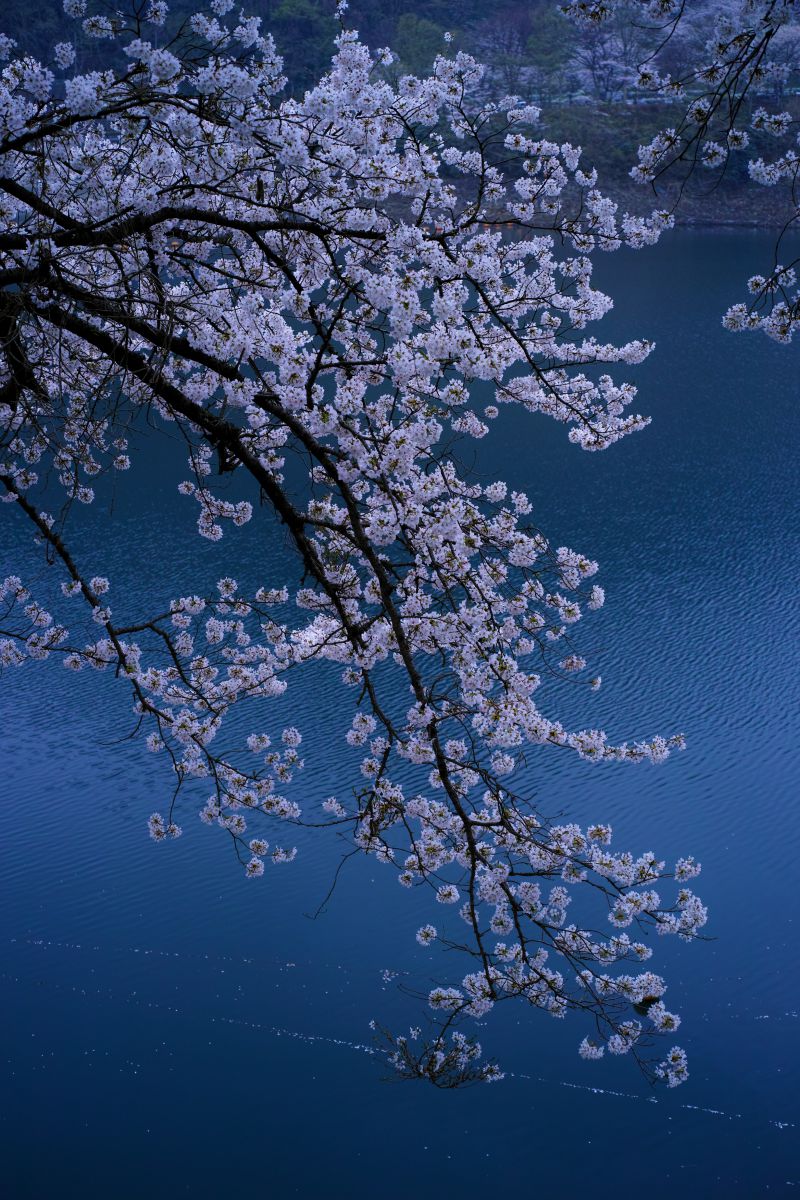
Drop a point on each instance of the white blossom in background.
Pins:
(341, 277)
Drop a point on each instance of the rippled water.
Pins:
(172, 1029)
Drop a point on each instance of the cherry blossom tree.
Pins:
(338, 280)
(608, 51)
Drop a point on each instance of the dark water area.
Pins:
(172, 1029)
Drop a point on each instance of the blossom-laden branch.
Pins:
(333, 280)
(722, 57)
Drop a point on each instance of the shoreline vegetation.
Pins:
(610, 135)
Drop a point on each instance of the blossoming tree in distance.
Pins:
(337, 280)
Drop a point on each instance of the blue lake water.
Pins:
(172, 1029)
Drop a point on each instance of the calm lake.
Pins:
(173, 1029)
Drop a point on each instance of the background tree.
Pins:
(502, 37)
(551, 54)
(304, 29)
(417, 41)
